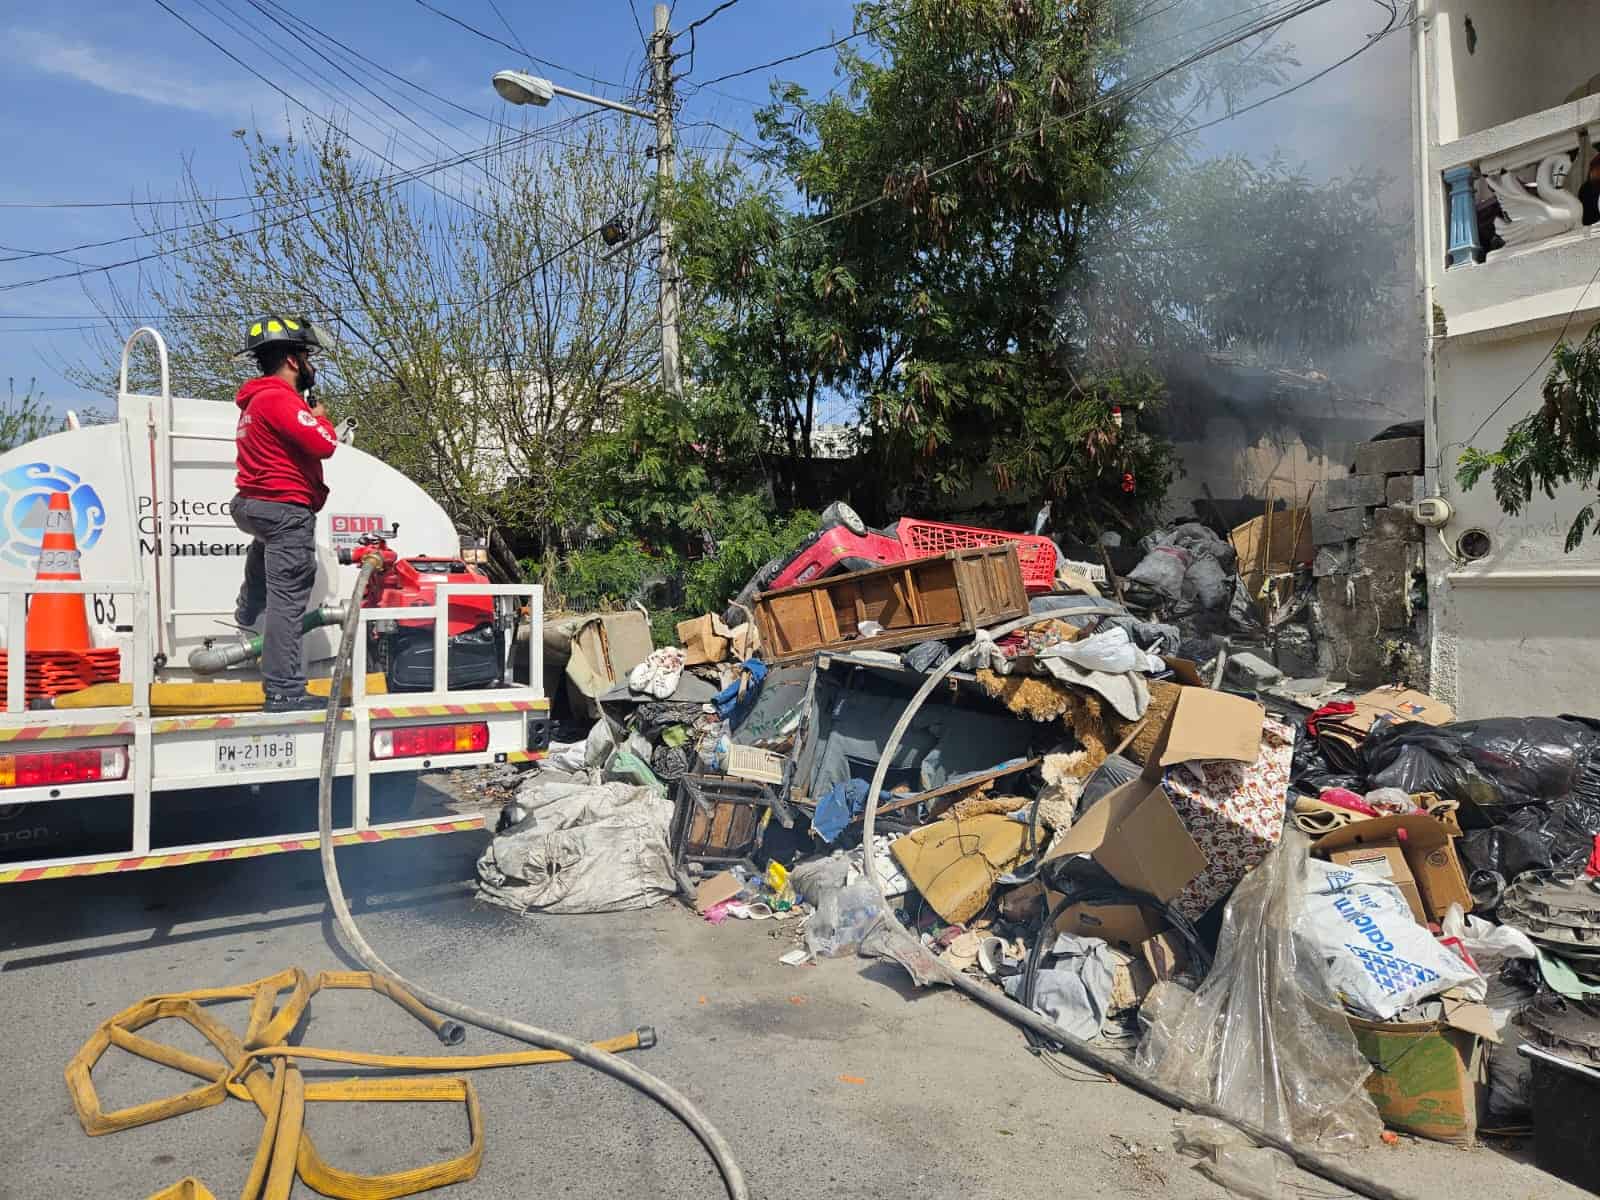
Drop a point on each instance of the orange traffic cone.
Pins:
(58, 622)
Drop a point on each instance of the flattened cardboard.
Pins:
(1135, 834)
(955, 862)
(1212, 725)
(1131, 981)
(1273, 542)
(722, 886)
(1125, 926)
(1388, 861)
(1429, 851)
(1402, 704)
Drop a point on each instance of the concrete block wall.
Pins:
(1369, 614)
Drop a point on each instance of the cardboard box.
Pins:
(1124, 926)
(1165, 955)
(955, 862)
(1428, 1077)
(1428, 850)
(1138, 835)
(1387, 861)
(708, 639)
(1227, 774)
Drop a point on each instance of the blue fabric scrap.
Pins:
(838, 805)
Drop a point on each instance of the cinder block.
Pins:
(1331, 560)
(1355, 491)
(1405, 489)
(1392, 456)
(1343, 525)
(1395, 523)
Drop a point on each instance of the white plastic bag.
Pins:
(1111, 650)
(1378, 957)
(1490, 945)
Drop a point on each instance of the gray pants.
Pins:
(279, 569)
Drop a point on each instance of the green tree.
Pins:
(24, 417)
(935, 281)
(1558, 445)
(483, 339)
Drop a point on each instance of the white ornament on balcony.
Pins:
(1530, 217)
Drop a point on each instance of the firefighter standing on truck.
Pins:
(283, 437)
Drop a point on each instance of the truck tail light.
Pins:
(49, 768)
(426, 741)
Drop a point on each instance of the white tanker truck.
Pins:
(168, 765)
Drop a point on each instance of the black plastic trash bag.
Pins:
(1529, 787)
(1497, 762)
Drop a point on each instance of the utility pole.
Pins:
(661, 96)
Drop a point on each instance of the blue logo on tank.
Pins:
(25, 493)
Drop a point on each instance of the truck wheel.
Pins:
(840, 513)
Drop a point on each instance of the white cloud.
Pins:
(142, 79)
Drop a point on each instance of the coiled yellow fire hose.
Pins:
(261, 1068)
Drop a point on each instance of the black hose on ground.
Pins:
(1309, 1160)
(610, 1064)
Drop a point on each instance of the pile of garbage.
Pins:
(1319, 911)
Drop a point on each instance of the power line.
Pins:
(376, 93)
(295, 100)
(396, 178)
(693, 25)
(390, 180)
(789, 58)
(1127, 91)
(489, 37)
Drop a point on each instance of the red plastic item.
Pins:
(839, 549)
(1592, 867)
(1036, 555)
(410, 583)
(829, 551)
(1345, 798)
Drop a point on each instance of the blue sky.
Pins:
(107, 101)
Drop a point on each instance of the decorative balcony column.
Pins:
(1464, 245)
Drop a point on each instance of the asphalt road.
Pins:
(831, 1081)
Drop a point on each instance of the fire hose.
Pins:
(261, 1067)
(1309, 1160)
(601, 1060)
(213, 660)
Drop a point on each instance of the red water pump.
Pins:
(404, 649)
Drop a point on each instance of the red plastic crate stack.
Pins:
(1035, 555)
(58, 672)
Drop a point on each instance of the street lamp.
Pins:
(521, 87)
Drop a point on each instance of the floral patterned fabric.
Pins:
(1235, 813)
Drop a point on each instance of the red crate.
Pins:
(1036, 555)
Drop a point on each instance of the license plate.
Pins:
(256, 752)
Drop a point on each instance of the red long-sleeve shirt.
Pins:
(281, 445)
